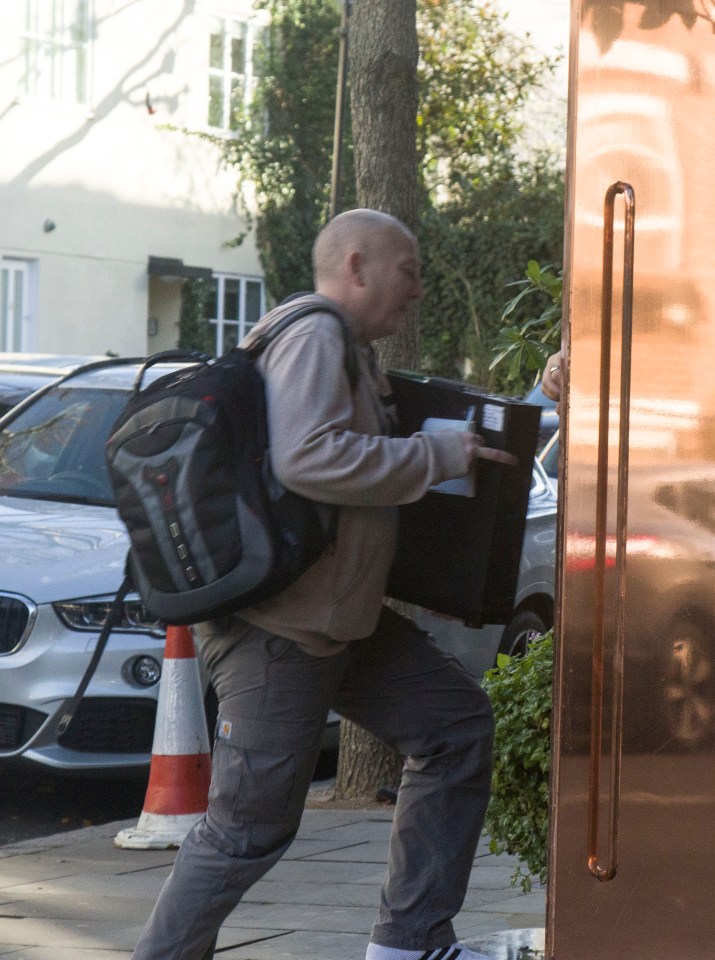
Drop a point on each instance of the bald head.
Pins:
(368, 263)
(366, 231)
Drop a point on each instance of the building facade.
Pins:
(107, 203)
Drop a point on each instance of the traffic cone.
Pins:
(180, 771)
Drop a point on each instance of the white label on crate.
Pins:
(493, 417)
(462, 486)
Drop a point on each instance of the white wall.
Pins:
(546, 23)
(118, 186)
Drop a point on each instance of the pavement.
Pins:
(75, 895)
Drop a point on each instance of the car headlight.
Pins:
(91, 614)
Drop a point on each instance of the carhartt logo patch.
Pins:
(224, 730)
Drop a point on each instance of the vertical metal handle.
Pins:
(608, 870)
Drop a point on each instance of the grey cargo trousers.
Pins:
(273, 704)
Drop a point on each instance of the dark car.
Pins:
(669, 618)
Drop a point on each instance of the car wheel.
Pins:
(518, 634)
(689, 683)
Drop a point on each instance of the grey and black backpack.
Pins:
(210, 527)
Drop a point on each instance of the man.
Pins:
(328, 641)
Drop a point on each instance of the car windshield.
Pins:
(54, 450)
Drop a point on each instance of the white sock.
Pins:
(453, 952)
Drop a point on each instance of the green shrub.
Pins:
(518, 815)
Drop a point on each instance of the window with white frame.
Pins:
(232, 45)
(234, 305)
(15, 318)
(57, 36)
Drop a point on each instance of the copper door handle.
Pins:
(595, 865)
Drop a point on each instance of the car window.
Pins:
(55, 448)
(14, 387)
(550, 459)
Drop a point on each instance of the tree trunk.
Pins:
(364, 765)
(383, 101)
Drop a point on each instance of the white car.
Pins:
(62, 559)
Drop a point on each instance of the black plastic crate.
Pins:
(460, 555)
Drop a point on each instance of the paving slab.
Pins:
(65, 953)
(306, 946)
(77, 896)
(312, 917)
(78, 934)
(328, 872)
(359, 852)
(477, 899)
(70, 908)
(320, 895)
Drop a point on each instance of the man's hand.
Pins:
(475, 449)
(551, 379)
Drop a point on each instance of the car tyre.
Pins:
(523, 629)
(689, 682)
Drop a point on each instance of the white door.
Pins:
(14, 305)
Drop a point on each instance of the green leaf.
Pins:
(533, 272)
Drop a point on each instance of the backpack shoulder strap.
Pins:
(69, 708)
(255, 349)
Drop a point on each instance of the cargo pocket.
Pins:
(254, 786)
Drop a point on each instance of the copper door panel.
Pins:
(632, 869)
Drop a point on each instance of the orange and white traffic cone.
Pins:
(180, 771)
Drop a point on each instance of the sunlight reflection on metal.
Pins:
(523, 944)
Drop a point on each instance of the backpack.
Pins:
(211, 529)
